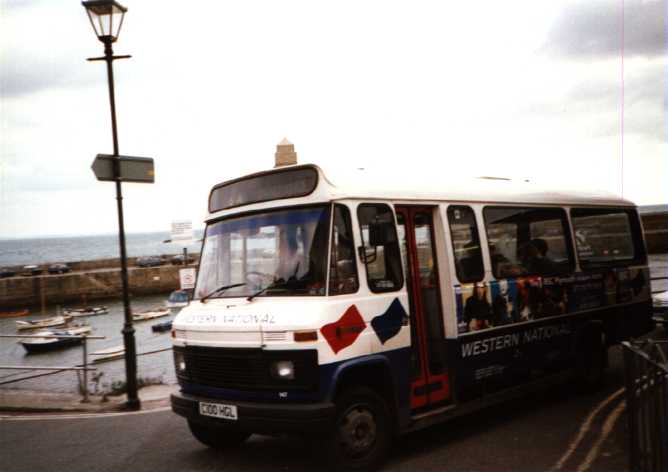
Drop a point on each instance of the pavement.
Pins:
(27, 401)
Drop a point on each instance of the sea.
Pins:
(154, 367)
(45, 250)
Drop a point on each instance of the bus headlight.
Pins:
(179, 362)
(283, 370)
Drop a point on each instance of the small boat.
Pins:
(53, 322)
(177, 299)
(150, 314)
(14, 314)
(46, 343)
(161, 327)
(88, 311)
(108, 354)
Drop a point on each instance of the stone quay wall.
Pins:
(655, 226)
(84, 286)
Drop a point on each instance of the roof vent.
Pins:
(485, 177)
(285, 154)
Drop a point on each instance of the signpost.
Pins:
(131, 169)
(116, 168)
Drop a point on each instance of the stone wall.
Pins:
(655, 226)
(80, 287)
(113, 263)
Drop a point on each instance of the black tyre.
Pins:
(362, 432)
(217, 438)
(590, 363)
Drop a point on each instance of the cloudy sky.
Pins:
(570, 93)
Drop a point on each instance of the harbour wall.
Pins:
(655, 226)
(81, 287)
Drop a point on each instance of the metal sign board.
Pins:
(182, 232)
(132, 169)
(187, 278)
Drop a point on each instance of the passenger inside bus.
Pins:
(469, 263)
(501, 265)
(537, 260)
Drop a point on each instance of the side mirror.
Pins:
(368, 255)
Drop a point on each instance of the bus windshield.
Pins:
(278, 253)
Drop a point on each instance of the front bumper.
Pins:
(261, 418)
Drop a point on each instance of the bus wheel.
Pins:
(590, 364)
(217, 438)
(362, 433)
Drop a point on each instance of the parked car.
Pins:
(31, 269)
(58, 269)
(6, 272)
(178, 259)
(149, 261)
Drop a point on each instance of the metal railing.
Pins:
(83, 368)
(646, 375)
(653, 279)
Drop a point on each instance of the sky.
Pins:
(560, 92)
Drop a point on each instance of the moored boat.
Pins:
(87, 311)
(162, 327)
(108, 354)
(14, 314)
(177, 299)
(54, 322)
(150, 314)
(47, 343)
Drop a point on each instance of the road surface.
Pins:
(556, 430)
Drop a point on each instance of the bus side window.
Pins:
(528, 241)
(343, 268)
(607, 236)
(465, 244)
(380, 249)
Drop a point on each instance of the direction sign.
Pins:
(132, 169)
(187, 278)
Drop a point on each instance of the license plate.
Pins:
(218, 410)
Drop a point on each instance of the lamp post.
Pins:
(106, 17)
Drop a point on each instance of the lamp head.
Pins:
(106, 17)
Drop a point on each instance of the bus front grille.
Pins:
(246, 369)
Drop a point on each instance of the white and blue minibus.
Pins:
(357, 308)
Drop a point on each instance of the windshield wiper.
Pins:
(278, 284)
(220, 289)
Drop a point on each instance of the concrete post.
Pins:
(85, 371)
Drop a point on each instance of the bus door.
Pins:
(430, 385)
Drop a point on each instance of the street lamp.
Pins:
(106, 17)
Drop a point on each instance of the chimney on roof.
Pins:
(285, 154)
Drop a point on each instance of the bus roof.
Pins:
(409, 185)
